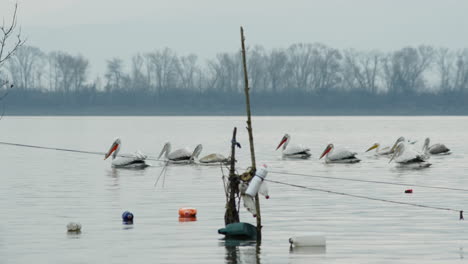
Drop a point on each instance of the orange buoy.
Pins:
(188, 212)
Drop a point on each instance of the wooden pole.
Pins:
(249, 129)
(232, 215)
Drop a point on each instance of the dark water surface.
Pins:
(42, 190)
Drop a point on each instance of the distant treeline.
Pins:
(301, 79)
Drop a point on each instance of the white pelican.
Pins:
(406, 156)
(387, 150)
(339, 156)
(438, 149)
(136, 160)
(378, 151)
(293, 151)
(183, 155)
(213, 158)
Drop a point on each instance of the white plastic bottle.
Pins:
(256, 181)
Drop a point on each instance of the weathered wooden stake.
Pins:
(249, 129)
(232, 215)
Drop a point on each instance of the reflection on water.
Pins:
(241, 251)
(307, 250)
(74, 234)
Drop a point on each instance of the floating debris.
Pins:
(312, 240)
(74, 227)
(239, 231)
(127, 218)
(188, 212)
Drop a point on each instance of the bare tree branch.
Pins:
(8, 31)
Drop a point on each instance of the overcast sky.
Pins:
(102, 29)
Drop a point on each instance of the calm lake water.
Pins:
(42, 190)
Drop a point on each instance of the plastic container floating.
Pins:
(73, 227)
(127, 217)
(311, 240)
(188, 212)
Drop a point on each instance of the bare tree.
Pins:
(361, 70)
(114, 74)
(461, 71)
(26, 67)
(445, 64)
(162, 69)
(68, 72)
(404, 68)
(225, 72)
(257, 68)
(187, 70)
(139, 80)
(276, 70)
(7, 48)
(301, 65)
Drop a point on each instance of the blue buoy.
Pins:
(127, 217)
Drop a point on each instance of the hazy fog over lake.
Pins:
(104, 29)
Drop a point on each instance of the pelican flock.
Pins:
(136, 160)
(402, 152)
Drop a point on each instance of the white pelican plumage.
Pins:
(437, 149)
(339, 156)
(293, 151)
(406, 156)
(136, 160)
(183, 155)
(214, 158)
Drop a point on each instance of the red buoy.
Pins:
(187, 212)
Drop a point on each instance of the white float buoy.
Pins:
(311, 240)
(74, 227)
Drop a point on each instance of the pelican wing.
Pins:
(341, 154)
(409, 155)
(438, 149)
(180, 154)
(133, 160)
(296, 150)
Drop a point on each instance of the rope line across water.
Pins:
(367, 197)
(68, 150)
(370, 181)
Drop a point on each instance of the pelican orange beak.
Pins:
(111, 150)
(373, 147)
(325, 151)
(282, 142)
